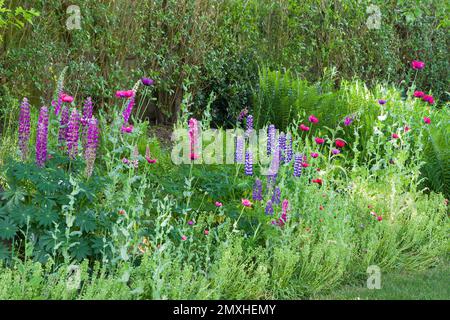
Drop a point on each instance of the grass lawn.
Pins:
(432, 284)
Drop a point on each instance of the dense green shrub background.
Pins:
(213, 45)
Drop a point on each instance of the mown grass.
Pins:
(432, 284)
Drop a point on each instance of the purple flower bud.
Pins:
(335, 151)
(42, 137)
(257, 190)
(90, 151)
(298, 165)
(73, 134)
(348, 121)
(87, 115)
(63, 125)
(248, 163)
(269, 208)
(147, 81)
(24, 128)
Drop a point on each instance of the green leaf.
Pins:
(8, 229)
(46, 217)
(86, 221)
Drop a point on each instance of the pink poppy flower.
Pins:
(246, 203)
(314, 155)
(418, 94)
(379, 218)
(218, 204)
(340, 143)
(428, 98)
(318, 181)
(183, 237)
(395, 136)
(406, 128)
(305, 165)
(426, 120)
(124, 94)
(313, 119)
(319, 140)
(66, 98)
(303, 127)
(206, 232)
(417, 65)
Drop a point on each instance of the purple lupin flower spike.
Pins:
(282, 146)
(249, 125)
(63, 122)
(298, 160)
(270, 139)
(257, 190)
(73, 133)
(238, 157)
(24, 128)
(87, 115)
(41, 137)
(269, 208)
(276, 197)
(127, 112)
(248, 163)
(90, 151)
(288, 148)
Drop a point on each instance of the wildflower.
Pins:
(314, 155)
(348, 121)
(395, 136)
(121, 212)
(183, 238)
(246, 203)
(249, 125)
(303, 127)
(206, 232)
(73, 134)
(125, 94)
(238, 157)
(242, 114)
(406, 128)
(313, 119)
(24, 128)
(42, 137)
(193, 135)
(218, 204)
(87, 115)
(426, 120)
(335, 151)
(318, 181)
(381, 101)
(125, 161)
(257, 190)
(63, 125)
(147, 81)
(319, 140)
(417, 65)
(90, 151)
(190, 222)
(321, 207)
(339, 143)
(66, 98)
(270, 139)
(288, 148)
(269, 208)
(305, 165)
(127, 129)
(148, 156)
(379, 218)
(282, 146)
(127, 112)
(298, 161)
(428, 98)
(276, 197)
(418, 94)
(248, 163)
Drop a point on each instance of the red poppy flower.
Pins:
(319, 140)
(318, 181)
(340, 143)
